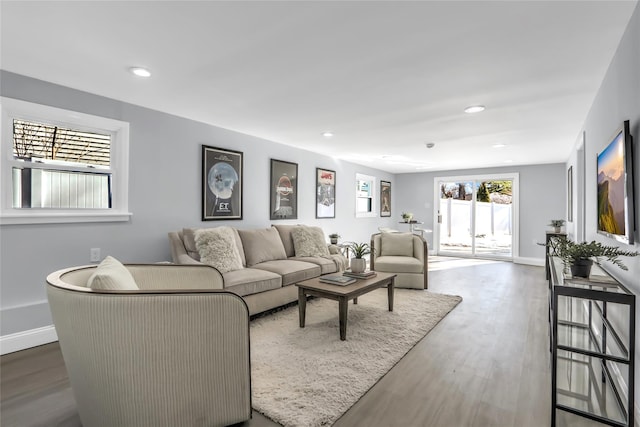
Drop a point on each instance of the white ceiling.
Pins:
(385, 77)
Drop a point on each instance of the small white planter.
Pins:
(358, 265)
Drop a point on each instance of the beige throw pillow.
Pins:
(111, 275)
(309, 241)
(217, 248)
(396, 244)
(262, 245)
(189, 239)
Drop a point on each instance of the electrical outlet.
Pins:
(94, 254)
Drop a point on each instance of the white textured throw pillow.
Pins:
(111, 275)
(217, 248)
(309, 241)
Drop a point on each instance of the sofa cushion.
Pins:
(287, 239)
(189, 240)
(292, 271)
(262, 245)
(250, 281)
(396, 244)
(309, 242)
(398, 264)
(111, 275)
(327, 265)
(217, 248)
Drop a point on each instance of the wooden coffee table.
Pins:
(342, 294)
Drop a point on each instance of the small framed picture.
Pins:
(325, 193)
(221, 183)
(385, 198)
(284, 190)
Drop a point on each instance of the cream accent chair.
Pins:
(404, 254)
(173, 353)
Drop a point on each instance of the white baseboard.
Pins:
(27, 339)
(538, 262)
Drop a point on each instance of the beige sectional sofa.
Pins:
(260, 265)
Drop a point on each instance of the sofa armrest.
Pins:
(419, 248)
(185, 355)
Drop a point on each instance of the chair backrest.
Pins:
(387, 230)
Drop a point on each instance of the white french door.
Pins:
(476, 216)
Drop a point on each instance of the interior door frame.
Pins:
(515, 204)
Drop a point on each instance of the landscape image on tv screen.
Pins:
(611, 188)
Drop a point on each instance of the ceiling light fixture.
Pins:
(327, 134)
(140, 72)
(474, 109)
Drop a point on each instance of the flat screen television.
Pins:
(616, 215)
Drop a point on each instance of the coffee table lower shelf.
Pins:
(342, 294)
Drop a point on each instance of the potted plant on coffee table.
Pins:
(359, 250)
(579, 257)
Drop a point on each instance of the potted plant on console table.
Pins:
(580, 256)
(359, 250)
(333, 238)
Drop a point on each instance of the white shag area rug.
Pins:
(306, 377)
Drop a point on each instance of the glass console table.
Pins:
(592, 336)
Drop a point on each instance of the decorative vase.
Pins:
(557, 229)
(358, 265)
(334, 240)
(581, 268)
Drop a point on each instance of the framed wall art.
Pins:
(221, 183)
(385, 198)
(325, 193)
(283, 190)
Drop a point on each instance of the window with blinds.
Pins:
(33, 140)
(60, 168)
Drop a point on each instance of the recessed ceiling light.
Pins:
(498, 145)
(327, 134)
(140, 72)
(474, 109)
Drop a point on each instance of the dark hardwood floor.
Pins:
(486, 364)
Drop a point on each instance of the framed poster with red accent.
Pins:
(283, 190)
(325, 193)
(221, 183)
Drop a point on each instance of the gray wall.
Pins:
(164, 195)
(617, 100)
(542, 198)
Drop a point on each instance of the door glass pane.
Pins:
(456, 229)
(493, 226)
